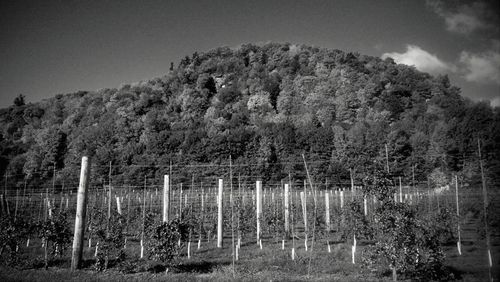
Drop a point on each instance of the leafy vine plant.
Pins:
(54, 232)
(408, 245)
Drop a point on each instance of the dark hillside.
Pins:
(264, 106)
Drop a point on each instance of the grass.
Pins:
(271, 263)
(206, 264)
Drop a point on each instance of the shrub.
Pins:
(407, 245)
(110, 238)
(355, 222)
(12, 234)
(163, 240)
(55, 231)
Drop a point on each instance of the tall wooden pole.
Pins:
(219, 212)
(258, 204)
(327, 211)
(143, 215)
(166, 197)
(458, 217)
(485, 210)
(232, 211)
(287, 209)
(81, 207)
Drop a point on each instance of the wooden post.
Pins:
(180, 201)
(166, 197)
(327, 212)
(458, 217)
(219, 217)
(365, 205)
(354, 250)
(303, 201)
(287, 210)
(341, 199)
(81, 207)
(258, 204)
(118, 205)
(143, 216)
(485, 211)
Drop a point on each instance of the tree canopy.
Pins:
(265, 106)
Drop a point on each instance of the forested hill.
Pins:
(264, 106)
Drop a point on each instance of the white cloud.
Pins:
(421, 59)
(495, 102)
(462, 23)
(481, 67)
(465, 18)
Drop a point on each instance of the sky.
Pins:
(51, 47)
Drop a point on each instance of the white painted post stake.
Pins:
(49, 208)
(287, 210)
(341, 199)
(166, 197)
(258, 204)
(142, 249)
(118, 205)
(219, 217)
(354, 250)
(202, 212)
(365, 204)
(237, 254)
(327, 212)
(180, 201)
(81, 207)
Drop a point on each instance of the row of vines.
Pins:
(401, 230)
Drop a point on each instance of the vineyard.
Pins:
(239, 227)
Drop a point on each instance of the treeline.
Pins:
(264, 106)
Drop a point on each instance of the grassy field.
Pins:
(271, 263)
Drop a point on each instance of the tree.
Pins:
(19, 100)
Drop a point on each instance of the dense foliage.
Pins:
(166, 239)
(406, 242)
(264, 106)
(13, 233)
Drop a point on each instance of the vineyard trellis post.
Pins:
(327, 211)
(287, 209)
(219, 216)
(458, 217)
(485, 210)
(80, 214)
(258, 205)
(166, 197)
